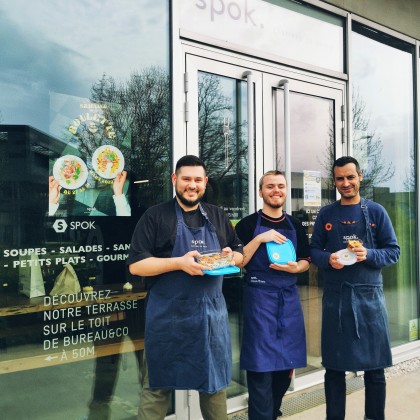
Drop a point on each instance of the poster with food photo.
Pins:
(88, 163)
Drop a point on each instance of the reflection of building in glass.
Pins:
(25, 153)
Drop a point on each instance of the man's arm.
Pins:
(238, 258)
(154, 266)
(233, 242)
(387, 251)
(294, 267)
(53, 195)
(122, 207)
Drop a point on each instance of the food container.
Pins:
(281, 253)
(214, 260)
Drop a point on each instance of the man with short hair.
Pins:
(355, 334)
(187, 339)
(273, 342)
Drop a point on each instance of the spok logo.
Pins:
(350, 237)
(197, 242)
(236, 10)
(60, 225)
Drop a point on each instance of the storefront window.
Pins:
(383, 142)
(85, 97)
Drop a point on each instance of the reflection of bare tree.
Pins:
(223, 149)
(213, 108)
(329, 156)
(140, 117)
(376, 170)
(367, 149)
(410, 177)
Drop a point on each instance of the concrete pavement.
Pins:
(403, 401)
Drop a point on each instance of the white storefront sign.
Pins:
(267, 28)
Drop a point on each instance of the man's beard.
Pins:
(273, 206)
(186, 202)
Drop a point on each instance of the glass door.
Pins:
(223, 128)
(303, 134)
(243, 119)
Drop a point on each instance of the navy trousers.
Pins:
(375, 394)
(266, 391)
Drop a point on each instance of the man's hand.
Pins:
(54, 190)
(290, 267)
(228, 252)
(293, 267)
(271, 236)
(190, 265)
(361, 253)
(334, 261)
(118, 183)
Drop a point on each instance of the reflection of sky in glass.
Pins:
(311, 130)
(311, 127)
(383, 77)
(65, 47)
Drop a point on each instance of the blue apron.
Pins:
(355, 332)
(187, 337)
(274, 330)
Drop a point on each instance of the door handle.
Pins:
(251, 131)
(284, 83)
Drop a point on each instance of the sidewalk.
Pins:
(402, 403)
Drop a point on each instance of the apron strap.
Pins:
(364, 207)
(257, 226)
(280, 310)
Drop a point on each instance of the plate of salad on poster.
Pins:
(70, 171)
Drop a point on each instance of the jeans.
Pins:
(375, 394)
(266, 392)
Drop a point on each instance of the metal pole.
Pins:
(288, 172)
(251, 151)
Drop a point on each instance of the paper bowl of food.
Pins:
(214, 260)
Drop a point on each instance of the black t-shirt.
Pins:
(246, 227)
(155, 233)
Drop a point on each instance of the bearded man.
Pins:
(187, 340)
